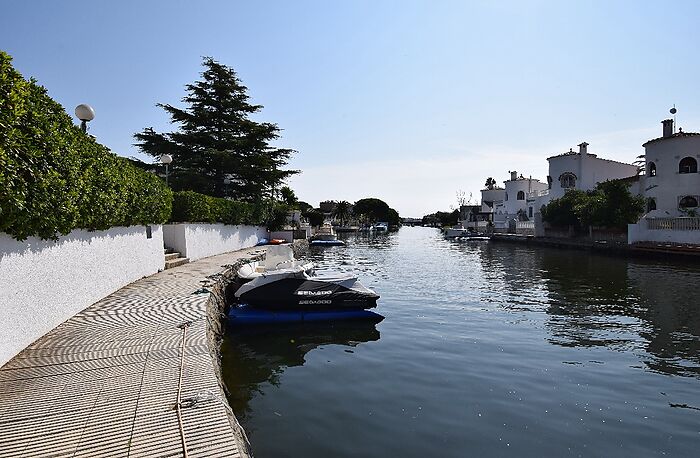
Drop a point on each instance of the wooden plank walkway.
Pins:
(104, 383)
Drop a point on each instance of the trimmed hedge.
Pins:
(54, 178)
(193, 207)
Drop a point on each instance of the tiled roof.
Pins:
(676, 135)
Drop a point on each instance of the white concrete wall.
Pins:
(44, 283)
(196, 241)
(668, 186)
(639, 233)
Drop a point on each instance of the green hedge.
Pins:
(54, 178)
(193, 207)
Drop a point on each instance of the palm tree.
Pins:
(342, 211)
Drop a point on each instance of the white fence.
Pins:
(670, 230)
(673, 224)
(525, 227)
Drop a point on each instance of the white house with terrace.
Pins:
(510, 205)
(575, 170)
(671, 187)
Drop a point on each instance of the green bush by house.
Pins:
(193, 207)
(54, 178)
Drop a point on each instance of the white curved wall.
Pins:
(196, 241)
(668, 185)
(43, 283)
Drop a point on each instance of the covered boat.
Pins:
(297, 290)
(283, 290)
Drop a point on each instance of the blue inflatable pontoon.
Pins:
(244, 315)
(327, 243)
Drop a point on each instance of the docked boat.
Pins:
(381, 227)
(283, 290)
(287, 289)
(279, 259)
(457, 231)
(325, 236)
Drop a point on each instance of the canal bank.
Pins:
(659, 250)
(106, 382)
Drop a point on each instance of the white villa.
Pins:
(512, 207)
(670, 185)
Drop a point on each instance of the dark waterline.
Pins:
(487, 349)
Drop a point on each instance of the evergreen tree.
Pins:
(217, 140)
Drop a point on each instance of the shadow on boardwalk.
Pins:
(104, 383)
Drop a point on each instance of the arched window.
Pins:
(651, 204)
(652, 169)
(688, 202)
(688, 165)
(567, 180)
(521, 195)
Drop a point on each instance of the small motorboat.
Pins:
(457, 231)
(281, 289)
(279, 258)
(325, 236)
(297, 290)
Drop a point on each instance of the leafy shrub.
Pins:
(609, 205)
(54, 178)
(193, 207)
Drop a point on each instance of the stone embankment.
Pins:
(645, 249)
(107, 381)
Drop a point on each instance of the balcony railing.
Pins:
(536, 194)
(674, 224)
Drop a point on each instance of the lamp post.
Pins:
(227, 181)
(166, 159)
(85, 113)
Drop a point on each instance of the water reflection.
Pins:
(646, 307)
(260, 354)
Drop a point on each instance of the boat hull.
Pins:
(327, 243)
(246, 315)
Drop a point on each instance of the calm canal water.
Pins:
(487, 349)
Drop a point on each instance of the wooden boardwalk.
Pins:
(104, 383)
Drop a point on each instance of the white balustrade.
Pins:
(674, 224)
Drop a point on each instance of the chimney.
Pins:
(513, 176)
(668, 127)
(583, 148)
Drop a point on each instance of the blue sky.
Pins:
(408, 101)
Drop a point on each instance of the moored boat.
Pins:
(279, 258)
(325, 236)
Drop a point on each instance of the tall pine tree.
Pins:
(218, 141)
